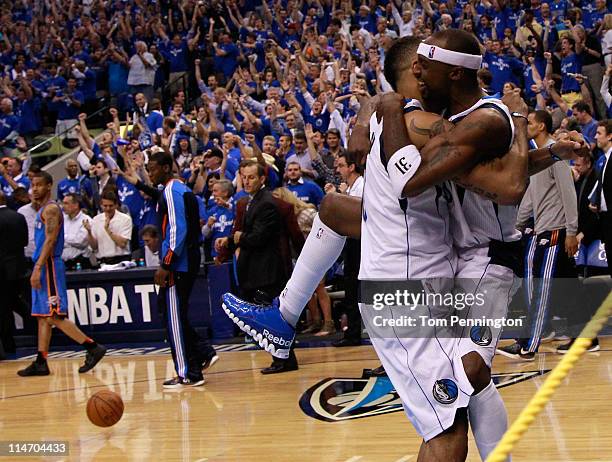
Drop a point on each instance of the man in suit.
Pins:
(13, 238)
(601, 196)
(585, 178)
(260, 269)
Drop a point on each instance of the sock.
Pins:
(488, 418)
(322, 248)
(89, 344)
(41, 358)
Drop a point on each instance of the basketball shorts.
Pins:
(52, 297)
(494, 285)
(423, 366)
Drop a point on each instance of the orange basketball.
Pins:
(104, 408)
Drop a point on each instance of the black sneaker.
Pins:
(178, 383)
(515, 351)
(210, 362)
(376, 372)
(92, 358)
(35, 369)
(562, 349)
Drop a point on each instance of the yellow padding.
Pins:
(544, 394)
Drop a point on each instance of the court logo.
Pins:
(339, 399)
(445, 391)
(481, 335)
(335, 400)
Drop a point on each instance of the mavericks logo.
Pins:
(481, 335)
(338, 399)
(445, 391)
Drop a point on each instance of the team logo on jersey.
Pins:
(338, 399)
(431, 52)
(53, 301)
(481, 335)
(445, 391)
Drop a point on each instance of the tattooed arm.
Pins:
(52, 217)
(481, 136)
(502, 180)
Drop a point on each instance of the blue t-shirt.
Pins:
(21, 180)
(589, 131)
(147, 215)
(307, 191)
(68, 111)
(540, 64)
(131, 198)
(503, 69)
(228, 63)
(28, 112)
(81, 186)
(570, 64)
(117, 78)
(223, 225)
(320, 123)
(176, 56)
(9, 129)
(87, 85)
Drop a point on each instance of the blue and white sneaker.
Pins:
(262, 322)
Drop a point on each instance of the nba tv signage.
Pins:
(339, 399)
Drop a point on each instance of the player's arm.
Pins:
(51, 217)
(359, 141)
(176, 232)
(502, 180)
(482, 136)
(568, 146)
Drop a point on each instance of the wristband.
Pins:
(553, 156)
(401, 168)
(518, 114)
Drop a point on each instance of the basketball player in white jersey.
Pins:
(485, 238)
(444, 264)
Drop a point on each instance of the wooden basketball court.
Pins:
(241, 415)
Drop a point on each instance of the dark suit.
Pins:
(13, 238)
(259, 265)
(587, 220)
(604, 185)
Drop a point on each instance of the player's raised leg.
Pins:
(273, 326)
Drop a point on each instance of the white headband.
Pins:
(454, 58)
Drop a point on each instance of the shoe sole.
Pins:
(181, 386)
(506, 354)
(94, 364)
(211, 363)
(514, 356)
(263, 343)
(590, 350)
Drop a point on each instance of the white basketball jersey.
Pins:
(479, 220)
(402, 238)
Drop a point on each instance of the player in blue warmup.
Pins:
(49, 297)
(176, 276)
